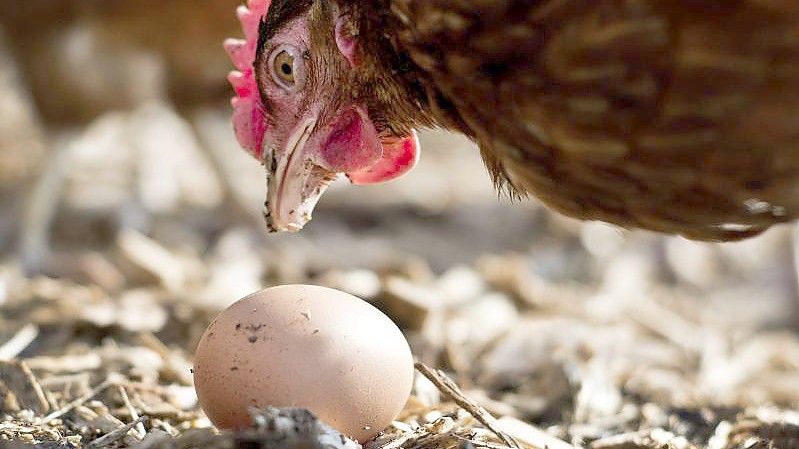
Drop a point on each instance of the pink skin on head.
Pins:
(347, 44)
(302, 154)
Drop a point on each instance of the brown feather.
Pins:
(679, 116)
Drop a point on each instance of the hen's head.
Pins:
(312, 104)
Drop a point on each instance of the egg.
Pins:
(304, 346)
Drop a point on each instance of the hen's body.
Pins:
(680, 116)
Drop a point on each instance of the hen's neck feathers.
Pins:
(613, 110)
(419, 101)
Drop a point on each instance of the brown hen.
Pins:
(678, 116)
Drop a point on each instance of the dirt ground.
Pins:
(129, 217)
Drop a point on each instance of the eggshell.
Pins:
(304, 346)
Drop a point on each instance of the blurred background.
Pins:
(129, 216)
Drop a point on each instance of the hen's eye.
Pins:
(284, 67)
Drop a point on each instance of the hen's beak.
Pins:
(315, 154)
(294, 183)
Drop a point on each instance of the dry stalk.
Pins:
(78, 402)
(116, 434)
(449, 388)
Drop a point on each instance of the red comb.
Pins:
(248, 110)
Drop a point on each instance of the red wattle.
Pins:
(353, 144)
(399, 157)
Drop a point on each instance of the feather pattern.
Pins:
(678, 116)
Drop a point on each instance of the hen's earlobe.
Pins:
(347, 40)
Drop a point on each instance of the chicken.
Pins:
(678, 116)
